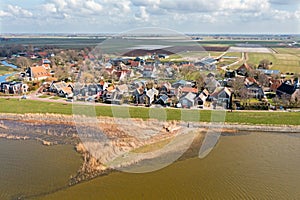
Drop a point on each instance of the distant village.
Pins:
(149, 79)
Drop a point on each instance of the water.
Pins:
(9, 65)
(28, 168)
(252, 166)
(4, 77)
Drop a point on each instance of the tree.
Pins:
(264, 64)
(186, 71)
(295, 101)
(237, 85)
(23, 62)
(244, 94)
(62, 72)
(263, 79)
(200, 80)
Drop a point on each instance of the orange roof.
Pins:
(189, 89)
(110, 88)
(39, 71)
(67, 90)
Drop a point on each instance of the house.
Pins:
(211, 84)
(255, 91)
(274, 84)
(179, 83)
(169, 72)
(250, 81)
(202, 97)
(286, 90)
(185, 90)
(163, 100)
(115, 95)
(123, 74)
(221, 97)
(207, 63)
(139, 93)
(62, 89)
(165, 88)
(149, 71)
(46, 63)
(244, 70)
(188, 100)
(230, 74)
(36, 73)
(152, 95)
(13, 87)
(122, 89)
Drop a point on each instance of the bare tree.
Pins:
(243, 93)
(263, 79)
(23, 62)
(200, 80)
(237, 85)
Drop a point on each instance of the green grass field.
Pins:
(285, 60)
(29, 106)
(6, 70)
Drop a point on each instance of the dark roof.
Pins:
(164, 98)
(285, 88)
(245, 66)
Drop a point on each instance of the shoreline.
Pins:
(61, 119)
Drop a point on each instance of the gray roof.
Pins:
(190, 96)
(268, 71)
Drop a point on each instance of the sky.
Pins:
(186, 16)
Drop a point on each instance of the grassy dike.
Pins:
(245, 117)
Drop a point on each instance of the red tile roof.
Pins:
(39, 72)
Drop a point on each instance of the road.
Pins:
(244, 58)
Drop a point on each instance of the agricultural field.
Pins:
(285, 60)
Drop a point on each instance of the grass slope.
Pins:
(29, 106)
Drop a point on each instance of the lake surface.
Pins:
(252, 166)
(28, 168)
(248, 166)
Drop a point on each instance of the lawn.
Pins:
(44, 96)
(6, 70)
(285, 60)
(295, 51)
(56, 98)
(29, 106)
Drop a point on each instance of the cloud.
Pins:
(146, 3)
(285, 2)
(167, 13)
(4, 14)
(17, 11)
(49, 8)
(72, 7)
(92, 5)
(142, 14)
